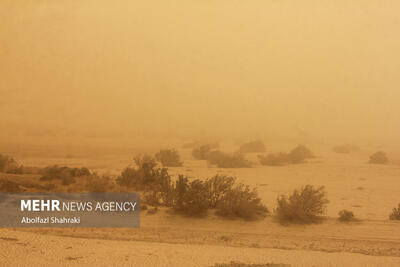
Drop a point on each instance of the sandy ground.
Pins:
(30, 249)
(370, 191)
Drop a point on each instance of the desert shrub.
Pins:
(191, 145)
(274, 159)
(303, 206)
(155, 182)
(240, 264)
(10, 187)
(252, 147)
(7, 164)
(299, 154)
(345, 149)
(225, 160)
(190, 198)
(378, 158)
(217, 187)
(169, 158)
(346, 216)
(395, 215)
(152, 211)
(65, 174)
(99, 184)
(201, 152)
(242, 202)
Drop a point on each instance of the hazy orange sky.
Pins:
(239, 68)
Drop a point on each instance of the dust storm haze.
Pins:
(325, 70)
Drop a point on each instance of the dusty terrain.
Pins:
(164, 239)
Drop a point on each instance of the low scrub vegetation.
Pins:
(169, 158)
(345, 149)
(64, 174)
(201, 152)
(346, 216)
(192, 197)
(225, 160)
(395, 215)
(379, 157)
(9, 165)
(297, 155)
(243, 202)
(274, 159)
(240, 264)
(252, 147)
(305, 205)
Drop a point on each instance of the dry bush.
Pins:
(395, 215)
(345, 149)
(303, 206)
(296, 155)
(190, 198)
(240, 264)
(378, 158)
(10, 187)
(154, 182)
(9, 165)
(217, 187)
(274, 159)
(65, 174)
(299, 154)
(225, 160)
(256, 146)
(241, 202)
(169, 158)
(201, 152)
(346, 216)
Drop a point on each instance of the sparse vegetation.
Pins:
(65, 174)
(239, 264)
(274, 159)
(169, 158)
(345, 149)
(242, 202)
(155, 182)
(346, 216)
(190, 198)
(395, 215)
(201, 152)
(378, 158)
(256, 146)
(297, 155)
(10, 187)
(9, 165)
(225, 160)
(305, 205)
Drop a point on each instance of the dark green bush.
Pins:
(252, 147)
(147, 177)
(303, 206)
(169, 158)
(241, 202)
(190, 197)
(378, 158)
(395, 215)
(346, 216)
(217, 187)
